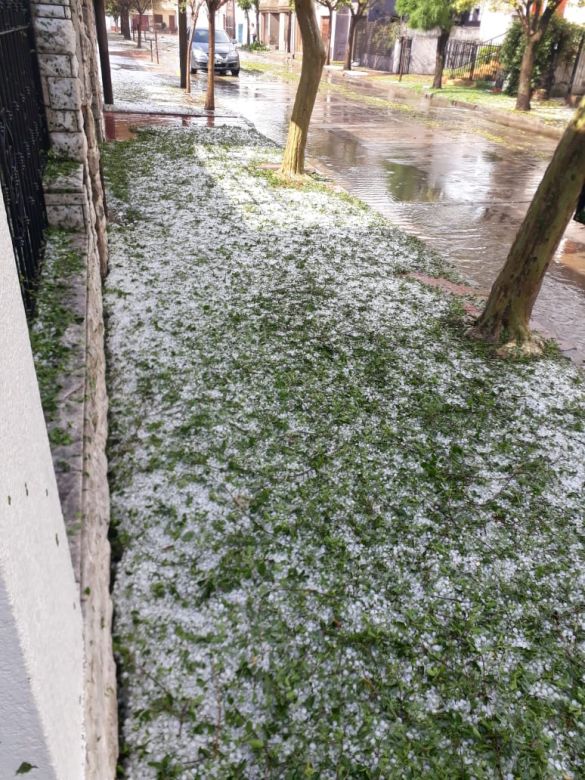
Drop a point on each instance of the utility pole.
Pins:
(102, 39)
(183, 42)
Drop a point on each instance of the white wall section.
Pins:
(41, 646)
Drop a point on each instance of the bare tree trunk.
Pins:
(350, 40)
(525, 80)
(102, 39)
(509, 306)
(293, 161)
(328, 61)
(247, 14)
(440, 59)
(210, 96)
(125, 23)
(139, 44)
(194, 16)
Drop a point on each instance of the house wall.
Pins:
(574, 12)
(493, 23)
(41, 644)
(423, 52)
(465, 33)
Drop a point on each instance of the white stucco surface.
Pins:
(423, 52)
(495, 19)
(575, 12)
(41, 649)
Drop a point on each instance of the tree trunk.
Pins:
(247, 14)
(125, 23)
(139, 44)
(182, 43)
(350, 39)
(442, 41)
(293, 161)
(525, 80)
(102, 39)
(509, 306)
(210, 96)
(328, 61)
(194, 16)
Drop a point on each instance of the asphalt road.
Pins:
(459, 182)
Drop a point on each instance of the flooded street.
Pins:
(450, 177)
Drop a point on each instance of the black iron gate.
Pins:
(23, 141)
(472, 60)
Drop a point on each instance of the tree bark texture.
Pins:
(189, 53)
(102, 39)
(509, 306)
(139, 44)
(182, 43)
(125, 23)
(293, 162)
(350, 40)
(442, 42)
(525, 79)
(210, 96)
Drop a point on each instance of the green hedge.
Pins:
(561, 41)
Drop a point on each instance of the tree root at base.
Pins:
(524, 343)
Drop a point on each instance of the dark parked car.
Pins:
(226, 54)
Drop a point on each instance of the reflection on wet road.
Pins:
(447, 175)
(455, 180)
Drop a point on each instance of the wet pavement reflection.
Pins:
(449, 176)
(452, 178)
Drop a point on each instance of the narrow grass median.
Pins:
(349, 541)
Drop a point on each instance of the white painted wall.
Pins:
(495, 19)
(574, 12)
(423, 52)
(41, 648)
(282, 32)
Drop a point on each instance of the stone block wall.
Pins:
(65, 41)
(68, 60)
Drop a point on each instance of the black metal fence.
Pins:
(23, 141)
(473, 61)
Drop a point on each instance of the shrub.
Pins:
(256, 46)
(561, 41)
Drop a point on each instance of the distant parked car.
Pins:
(226, 54)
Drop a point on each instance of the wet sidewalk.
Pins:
(449, 176)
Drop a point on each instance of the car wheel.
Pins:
(236, 72)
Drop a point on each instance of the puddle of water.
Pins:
(124, 126)
(455, 180)
(411, 184)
